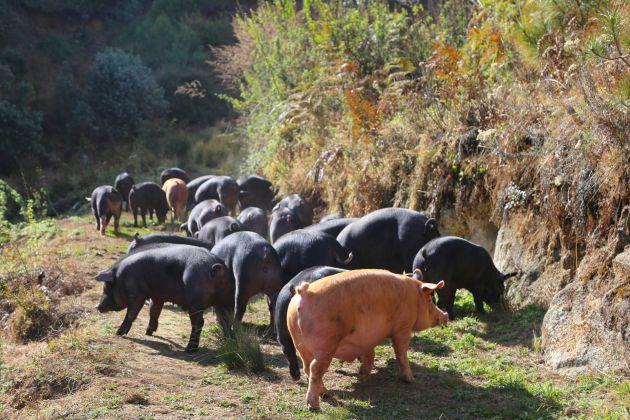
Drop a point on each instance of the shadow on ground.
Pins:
(437, 394)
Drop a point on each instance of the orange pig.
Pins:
(176, 195)
(346, 315)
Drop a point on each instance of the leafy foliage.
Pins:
(121, 94)
(445, 108)
(20, 134)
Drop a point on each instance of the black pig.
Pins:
(222, 188)
(141, 242)
(148, 196)
(388, 238)
(182, 274)
(462, 265)
(217, 229)
(123, 184)
(106, 202)
(254, 219)
(302, 249)
(255, 266)
(282, 222)
(201, 214)
(255, 191)
(298, 205)
(173, 173)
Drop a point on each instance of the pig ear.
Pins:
(430, 225)
(431, 287)
(217, 269)
(234, 227)
(136, 236)
(423, 253)
(106, 276)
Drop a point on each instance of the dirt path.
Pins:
(475, 367)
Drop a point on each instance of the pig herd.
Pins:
(335, 289)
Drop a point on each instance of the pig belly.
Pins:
(361, 341)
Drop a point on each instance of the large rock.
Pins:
(524, 245)
(586, 326)
(476, 227)
(588, 304)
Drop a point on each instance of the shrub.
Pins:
(10, 203)
(30, 297)
(20, 135)
(241, 350)
(121, 93)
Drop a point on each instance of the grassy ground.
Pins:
(476, 367)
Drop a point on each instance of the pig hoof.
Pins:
(408, 379)
(313, 407)
(363, 377)
(121, 331)
(295, 375)
(149, 331)
(191, 349)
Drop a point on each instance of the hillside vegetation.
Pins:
(502, 117)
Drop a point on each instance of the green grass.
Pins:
(240, 350)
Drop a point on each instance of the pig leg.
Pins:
(135, 217)
(154, 313)
(151, 214)
(271, 304)
(240, 305)
(401, 345)
(478, 304)
(224, 316)
(143, 213)
(289, 352)
(95, 213)
(367, 361)
(306, 357)
(116, 222)
(133, 310)
(319, 366)
(104, 222)
(196, 321)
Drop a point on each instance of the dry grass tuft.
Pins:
(30, 299)
(67, 364)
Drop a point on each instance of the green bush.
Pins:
(10, 204)
(20, 135)
(121, 93)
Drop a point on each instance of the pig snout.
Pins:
(443, 317)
